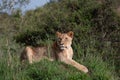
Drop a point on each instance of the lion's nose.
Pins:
(61, 43)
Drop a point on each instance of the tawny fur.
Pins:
(61, 50)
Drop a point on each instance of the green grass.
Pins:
(11, 69)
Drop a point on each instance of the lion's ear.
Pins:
(70, 33)
(58, 34)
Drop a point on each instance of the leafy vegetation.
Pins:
(96, 41)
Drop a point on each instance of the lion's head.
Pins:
(64, 40)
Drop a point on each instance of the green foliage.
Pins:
(11, 68)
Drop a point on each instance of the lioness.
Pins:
(61, 50)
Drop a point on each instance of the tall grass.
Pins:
(11, 69)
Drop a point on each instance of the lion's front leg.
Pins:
(76, 65)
